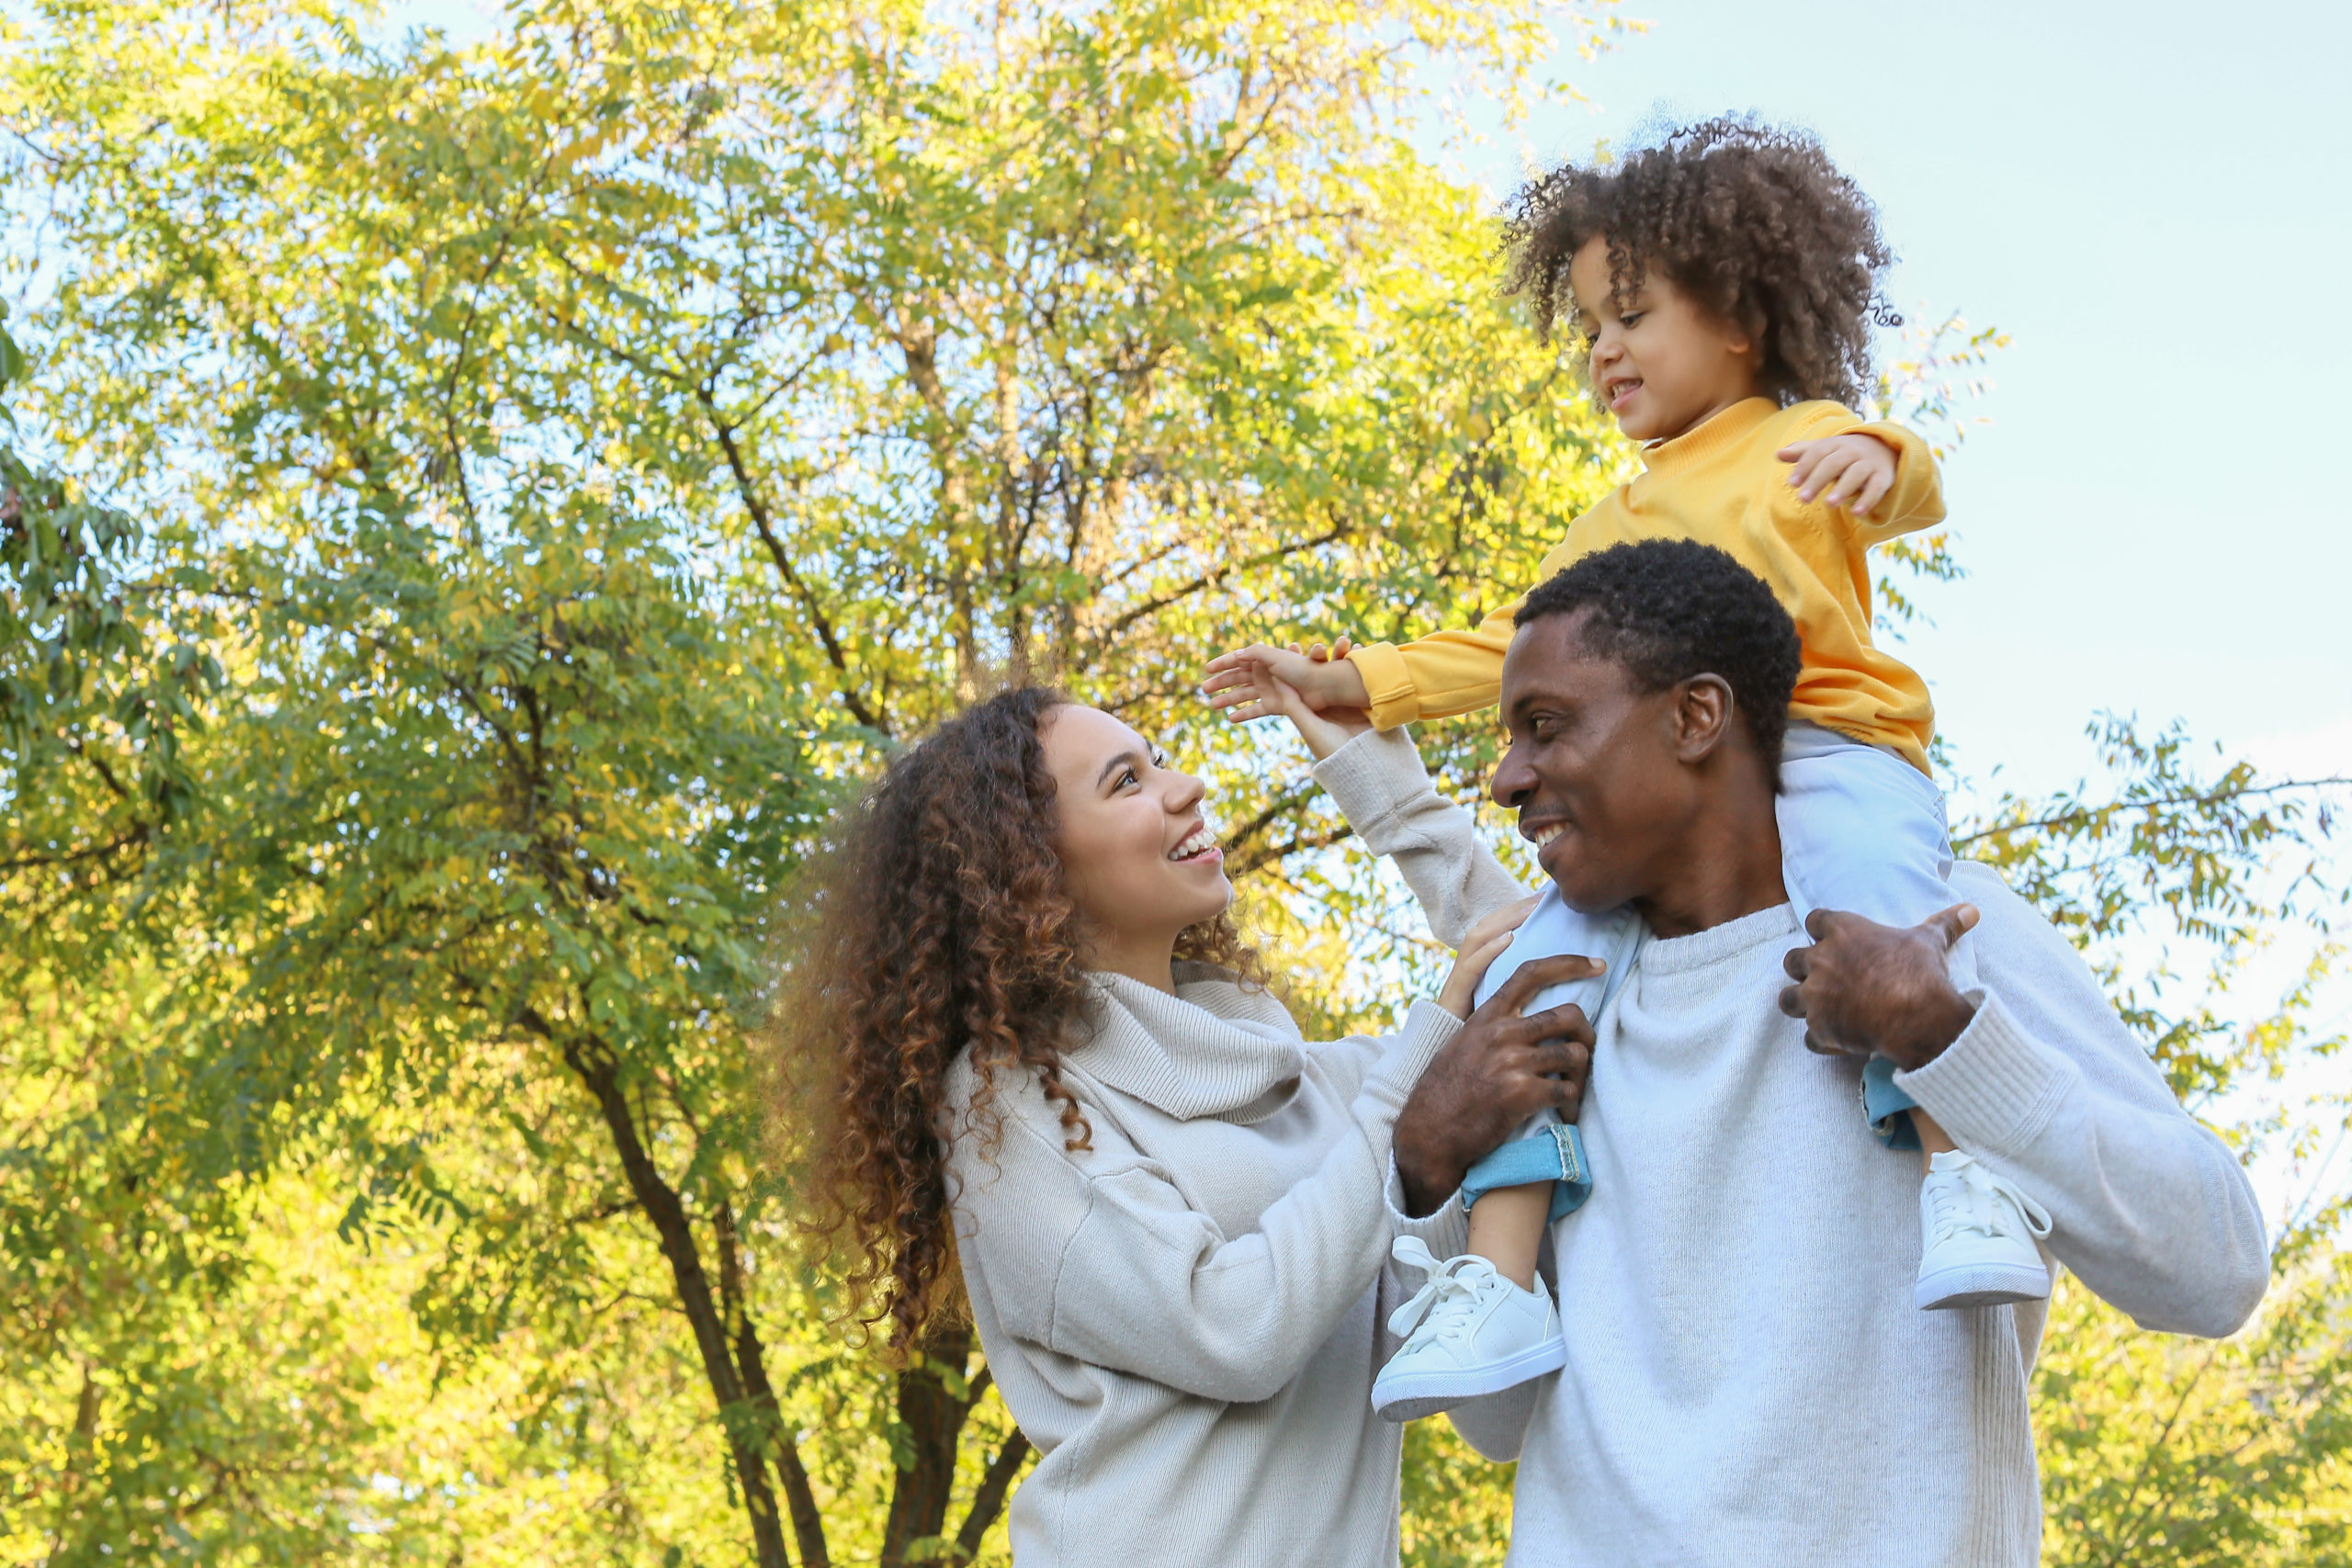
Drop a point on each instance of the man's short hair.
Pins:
(1669, 609)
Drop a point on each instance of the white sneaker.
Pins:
(1473, 1332)
(1977, 1236)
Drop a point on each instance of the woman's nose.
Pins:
(1185, 792)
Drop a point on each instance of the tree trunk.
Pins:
(933, 1418)
(599, 1073)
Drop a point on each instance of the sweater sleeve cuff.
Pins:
(1394, 699)
(1445, 1230)
(1907, 442)
(1427, 1029)
(1371, 777)
(1993, 1089)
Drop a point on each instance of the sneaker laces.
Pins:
(1446, 1297)
(1971, 1201)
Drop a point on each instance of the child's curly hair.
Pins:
(1751, 223)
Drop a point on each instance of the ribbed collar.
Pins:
(1718, 944)
(1212, 1049)
(1724, 431)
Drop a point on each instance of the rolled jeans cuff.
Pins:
(1553, 1153)
(1887, 1107)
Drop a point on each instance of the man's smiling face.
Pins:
(1593, 767)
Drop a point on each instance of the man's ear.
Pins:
(1703, 707)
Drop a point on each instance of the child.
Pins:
(1724, 284)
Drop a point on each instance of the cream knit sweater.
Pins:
(1748, 1381)
(1186, 1316)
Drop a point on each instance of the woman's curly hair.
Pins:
(1752, 224)
(937, 924)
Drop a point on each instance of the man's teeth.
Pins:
(1200, 841)
(1542, 836)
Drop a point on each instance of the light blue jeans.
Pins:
(1861, 830)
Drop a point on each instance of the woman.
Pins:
(1054, 1063)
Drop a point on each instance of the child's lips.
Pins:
(1622, 392)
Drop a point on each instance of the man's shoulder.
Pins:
(2013, 937)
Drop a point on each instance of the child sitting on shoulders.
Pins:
(1723, 284)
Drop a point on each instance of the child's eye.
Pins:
(1629, 320)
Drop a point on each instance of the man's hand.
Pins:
(1242, 682)
(1852, 470)
(1498, 1072)
(1865, 989)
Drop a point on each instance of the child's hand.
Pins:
(1242, 682)
(1853, 471)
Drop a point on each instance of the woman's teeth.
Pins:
(1200, 841)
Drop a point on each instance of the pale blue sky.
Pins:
(2151, 199)
(2154, 200)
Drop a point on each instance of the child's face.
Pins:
(1658, 361)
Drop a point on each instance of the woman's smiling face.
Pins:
(1137, 856)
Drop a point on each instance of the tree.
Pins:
(543, 480)
(591, 451)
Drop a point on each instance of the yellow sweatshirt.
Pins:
(1720, 484)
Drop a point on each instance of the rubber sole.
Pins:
(1981, 1284)
(1408, 1396)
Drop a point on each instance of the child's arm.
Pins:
(1446, 672)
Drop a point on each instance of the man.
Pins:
(1748, 1381)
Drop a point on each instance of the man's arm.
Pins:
(2039, 1078)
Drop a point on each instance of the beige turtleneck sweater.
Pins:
(1186, 1317)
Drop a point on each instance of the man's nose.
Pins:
(1514, 782)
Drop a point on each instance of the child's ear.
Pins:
(1752, 330)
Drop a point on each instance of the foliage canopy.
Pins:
(538, 480)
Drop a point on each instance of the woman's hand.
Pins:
(1478, 951)
(1325, 730)
(1242, 681)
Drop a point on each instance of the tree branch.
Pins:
(598, 1071)
(988, 1501)
(747, 491)
(2084, 813)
